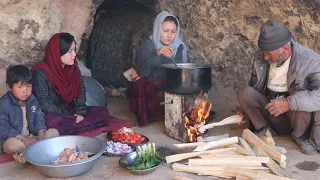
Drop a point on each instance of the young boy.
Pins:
(21, 119)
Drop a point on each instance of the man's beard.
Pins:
(280, 62)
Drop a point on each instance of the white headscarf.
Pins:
(155, 37)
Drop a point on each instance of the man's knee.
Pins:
(244, 93)
(52, 133)
(13, 145)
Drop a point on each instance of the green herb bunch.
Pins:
(147, 157)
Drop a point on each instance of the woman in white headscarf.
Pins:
(146, 90)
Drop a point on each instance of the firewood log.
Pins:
(255, 174)
(226, 172)
(246, 146)
(230, 162)
(240, 149)
(271, 164)
(215, 144)
(179, 157)
(221, 156)
(181, 178)
(229, 120)
(239, 177)
(189, 145)
(283, 164)
(256, 141)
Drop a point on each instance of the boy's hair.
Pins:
(18, 73)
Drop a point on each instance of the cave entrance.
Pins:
(120, 26)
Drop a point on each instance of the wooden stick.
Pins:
(230, 162)
(226, 172)
(181, 178)
(215, 144)
(246, 146)
(229, 120)
(215, 138)
(255, 174)
(221, 156)
(189, 145)
(256, 141)
(239, 177)
(198, 169)
(179, 157)
(271, 164)
(283, 164)
(240, 149)
(268, 139)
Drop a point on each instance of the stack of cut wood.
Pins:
(234, 158)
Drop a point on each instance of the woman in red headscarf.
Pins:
(58, 85)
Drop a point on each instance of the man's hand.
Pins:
(278, 106)
(79, 118)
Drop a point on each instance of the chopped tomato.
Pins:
(127, 137)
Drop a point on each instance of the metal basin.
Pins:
(129, 159)
(43, 152)
(95, 93)
(187, 78)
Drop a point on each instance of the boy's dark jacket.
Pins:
(11, 117)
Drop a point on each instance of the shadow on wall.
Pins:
(119, 29)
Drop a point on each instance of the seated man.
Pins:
(21, 119)
(283, 91)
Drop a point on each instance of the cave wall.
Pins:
(27, 25)
(224, 33)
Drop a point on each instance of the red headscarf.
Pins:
(65, 81)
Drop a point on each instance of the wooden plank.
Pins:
(275, 168)
(240, 149)
(256, 141)
(246, 146)
(182, 156)
(215, 144)
(230, 162)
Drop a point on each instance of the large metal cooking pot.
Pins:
(187, 78)
(43, 152)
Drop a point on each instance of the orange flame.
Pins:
(199, 112)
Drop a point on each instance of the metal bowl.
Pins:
(43, 152)
(109, 135)
(129, 159)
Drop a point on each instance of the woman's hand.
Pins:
(134, 76)
(79, 118)
(165, 50)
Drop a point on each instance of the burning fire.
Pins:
(197, 116)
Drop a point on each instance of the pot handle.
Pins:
(163, 103)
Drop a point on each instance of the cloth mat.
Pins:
(113, 124)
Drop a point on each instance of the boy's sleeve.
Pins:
(40, 122)
(6, 131)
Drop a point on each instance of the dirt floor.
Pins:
(299, 166)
